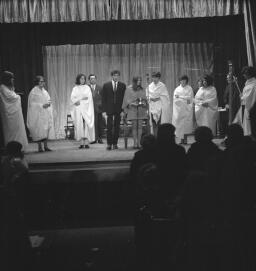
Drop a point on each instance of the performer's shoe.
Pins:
(86, 146)
(100, 141)
(81, 147)
(109, 148)
(115, 147)
(93, 142)
(47, 149)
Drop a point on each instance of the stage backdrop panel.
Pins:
(62, 64)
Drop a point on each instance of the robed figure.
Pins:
(83, 113)
(182, 117)
(206, 105)
(11, 112)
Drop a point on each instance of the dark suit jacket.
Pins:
(112, 101)
(97, 98)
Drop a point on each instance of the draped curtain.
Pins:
(63, 63)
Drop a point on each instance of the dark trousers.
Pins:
(113, 125)
(98, 124)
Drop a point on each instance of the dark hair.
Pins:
(156, 74)
(14, 148)
(208, 79)
(90, 75)
(147, 141)
(184, 77)
(115, 72)
(37, 79)
(166, 133)
(249, 71)
(6, 78)
(235, 135)
(203, 134)
(78, 77)
(135, 80)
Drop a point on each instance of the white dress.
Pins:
(12, 117)
(182, 117)
(83, 114)
(39, 119)
(248, 99)
(206, 116)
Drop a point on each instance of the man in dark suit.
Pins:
(112, 100)
(97, 102)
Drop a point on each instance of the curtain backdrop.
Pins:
(63, 63)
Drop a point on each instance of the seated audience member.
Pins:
(234, 137)
(203, 151)
(171, 161)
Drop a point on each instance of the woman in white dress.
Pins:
(83, 113)
(40, 115)
(182, 117)
(206, 104)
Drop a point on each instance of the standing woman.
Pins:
(182, 117)
(83, 113)
(134, 105)
(206, 104)
(40, 116)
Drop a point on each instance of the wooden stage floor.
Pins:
(67, 151)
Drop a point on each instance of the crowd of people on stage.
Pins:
(93, 105)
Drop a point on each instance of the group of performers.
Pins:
(93, 104)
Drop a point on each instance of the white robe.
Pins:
(39, 119)
(248, 99)
(12, 117)
(206, 116)
(161, 108)
(182, 117)
(83, 112)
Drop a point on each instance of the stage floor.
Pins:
(67, 151)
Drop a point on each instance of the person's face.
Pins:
(92, 80)
(205, 83)
(155, 79)
(199, 83)
(12, 82)
(246, 77)
(82, 80)
(41, 83)
(115, 77)
(183, 83)
(139, 82)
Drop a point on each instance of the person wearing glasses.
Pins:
(40, 115)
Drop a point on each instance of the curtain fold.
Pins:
(63, 63)
(249, 10)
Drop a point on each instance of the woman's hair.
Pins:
(184, 77)
(135, 85)
(208, 79)
(38, 79)
(78, 77)
(203, 134)
(6, 78)
(148, 141)
(249, 71)
(156, 74)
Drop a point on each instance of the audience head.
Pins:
(115, 75)
(156, 77)
(207, 80)
(166, 134)
(203, 134)
(7, 79)
(136, 83)
(92, 79)
(14, 149)
(148, 141)
(200, 82)
(39, 81)
(235, 135)
(248, 72)
(183, 80)
(80, 79)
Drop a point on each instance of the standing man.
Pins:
(97, 102)
(246, 115)
(159, 103)
(11, 112)
(112, 100)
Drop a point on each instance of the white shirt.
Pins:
(114, 84)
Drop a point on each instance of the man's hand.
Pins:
(77, 103)
(104, 115)
(226, 106)
(122, 114)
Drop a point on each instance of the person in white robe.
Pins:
(248, 100)
(159, 103)
(12, 120)
(206, 105)
(182, 117)
(83, 113)
(40, 115)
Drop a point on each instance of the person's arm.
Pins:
(104, 100)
